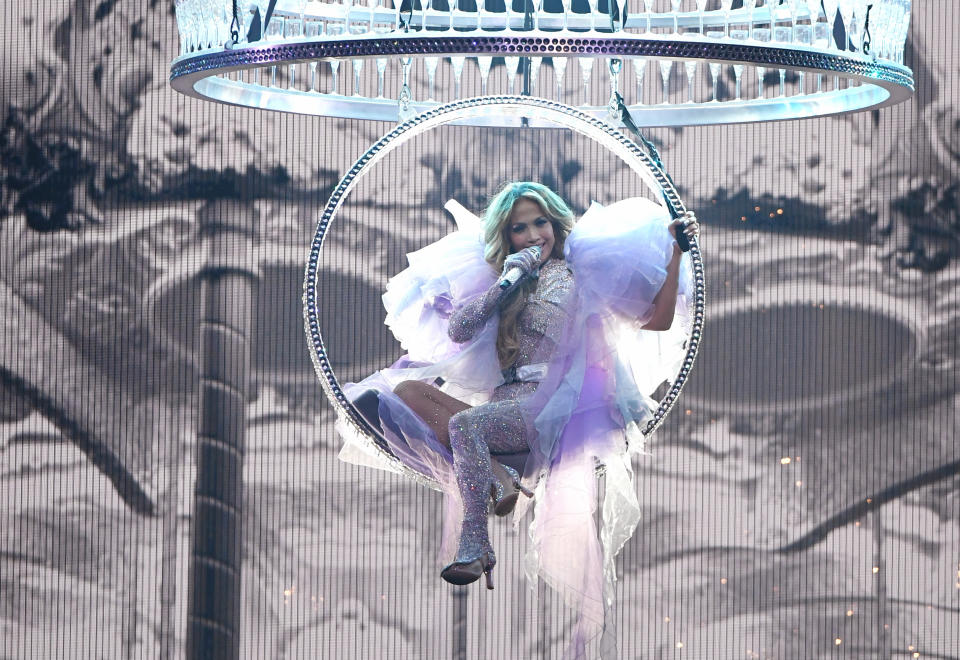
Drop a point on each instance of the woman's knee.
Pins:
(462, 422)
(408, 388)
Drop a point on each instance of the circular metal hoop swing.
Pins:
(543, 111)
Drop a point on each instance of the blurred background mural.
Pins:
(802, 501)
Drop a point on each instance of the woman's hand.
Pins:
(526, 260)
(692, 229)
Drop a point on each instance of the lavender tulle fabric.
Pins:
(591, 402)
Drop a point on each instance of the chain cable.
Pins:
(235, 24)
(631, 126)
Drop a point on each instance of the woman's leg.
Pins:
(431, 405)
(473, 433)
(436, 409)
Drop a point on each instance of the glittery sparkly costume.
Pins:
(577, 394)
(499, 426)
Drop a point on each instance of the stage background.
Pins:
(802, 501)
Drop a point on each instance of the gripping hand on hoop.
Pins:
(685, 228)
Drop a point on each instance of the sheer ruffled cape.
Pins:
(587, 411)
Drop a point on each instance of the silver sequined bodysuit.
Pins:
(497, 426)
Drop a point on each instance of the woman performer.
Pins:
(540, 350)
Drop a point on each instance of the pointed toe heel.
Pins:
(469, 570)
(504, 503)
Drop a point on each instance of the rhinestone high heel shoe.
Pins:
(466, 570)
(503, 501)
(474, 554)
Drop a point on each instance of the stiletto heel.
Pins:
(517, 483)
(489, 572)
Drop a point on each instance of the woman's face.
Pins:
(528, 226)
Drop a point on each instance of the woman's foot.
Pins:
(466, 570)
(474, 554)
(507, 491)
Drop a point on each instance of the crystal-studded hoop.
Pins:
(519, 106)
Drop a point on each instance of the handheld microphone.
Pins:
(514, 274)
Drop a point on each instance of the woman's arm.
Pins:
(467, 321)
(665, 302)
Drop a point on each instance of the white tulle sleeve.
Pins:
(619, 256)
(594, 403)
(441, 277)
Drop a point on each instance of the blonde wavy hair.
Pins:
(496, 224)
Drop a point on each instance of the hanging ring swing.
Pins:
(644, 165)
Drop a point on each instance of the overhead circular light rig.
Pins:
(764, 61)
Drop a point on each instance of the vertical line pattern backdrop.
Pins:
(802, 501)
